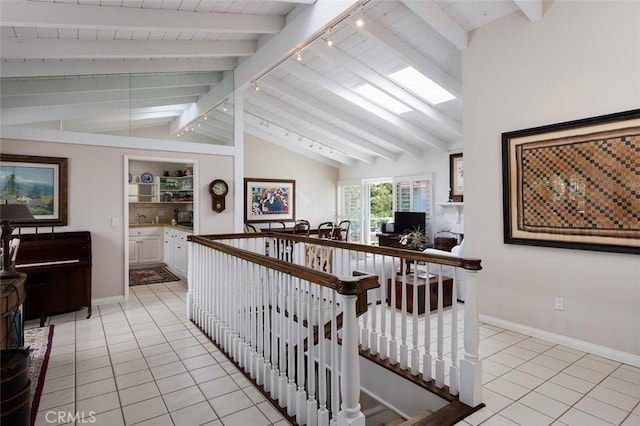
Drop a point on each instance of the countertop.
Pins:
(168, 225)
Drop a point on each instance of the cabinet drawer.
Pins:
(147, 230)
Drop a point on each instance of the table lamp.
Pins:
(11, 213)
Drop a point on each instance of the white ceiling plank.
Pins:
(37, 68)
(532, 9)
(438, 118)
(413, 132)
(414, 58)
(306, 132)
(431, 13)
(351, 139)
(275, 136)
(56, 15)
(74, 49)
(346, 119)
(309, 21)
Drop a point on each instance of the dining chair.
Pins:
(248, 228)
(302, 227)
(342, 230)
(325, 230)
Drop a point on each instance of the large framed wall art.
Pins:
(269, 200)
(574, 184)
(38, 182)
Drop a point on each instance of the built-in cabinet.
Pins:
(145, 245)
(163, 189)
(175, 250)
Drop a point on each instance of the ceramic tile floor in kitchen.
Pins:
(143, 363)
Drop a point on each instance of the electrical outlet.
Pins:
(560, 303)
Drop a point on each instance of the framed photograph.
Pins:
(38, 182)
(575, 184)
(269, 200)
(456, 177)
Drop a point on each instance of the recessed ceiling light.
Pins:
(379, 97)
(421, 85)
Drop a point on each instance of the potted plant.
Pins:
(413, 240)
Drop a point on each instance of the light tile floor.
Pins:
(143, 363)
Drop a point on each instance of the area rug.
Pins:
(39, 341)
(152, 275)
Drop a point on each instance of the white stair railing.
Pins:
(270, 334)
(270, 318)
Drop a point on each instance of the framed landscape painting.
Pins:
(575, 184)
(269, 200)
(38, 182)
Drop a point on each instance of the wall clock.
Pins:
(218, 190)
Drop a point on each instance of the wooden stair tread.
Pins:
(413, 420)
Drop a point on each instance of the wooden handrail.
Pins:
(470, 264)
(343, 285)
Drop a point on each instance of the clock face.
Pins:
(219, 188)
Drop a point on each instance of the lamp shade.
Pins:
(15, 212)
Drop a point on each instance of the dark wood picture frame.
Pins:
(456, 174)
(44, 188)
(574, 185)
(269, 200)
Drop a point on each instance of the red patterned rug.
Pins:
(151, 275)
(39, 340)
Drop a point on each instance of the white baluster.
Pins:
(312, 405)
(373, 337)
(350, 413)
(301, 394)
(415, 355)
(440, 341)
(383, 316)
(335, 354)
(426, 357)
(403, 323)
(471, 365)
(453, 370)
(323, 412)
(393, 348)
(291, 360)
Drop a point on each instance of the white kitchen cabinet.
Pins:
(176, 256)
(145, 245)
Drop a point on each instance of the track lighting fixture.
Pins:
(299, 56)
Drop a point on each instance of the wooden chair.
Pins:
(302, 227)
(249, 228)
(325, 230)
(342, 230)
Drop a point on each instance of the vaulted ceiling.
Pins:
(162, 68)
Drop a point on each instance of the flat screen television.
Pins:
(405, 222)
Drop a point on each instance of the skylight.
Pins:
(379, 97)
(422, 86)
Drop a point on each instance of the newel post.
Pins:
(350, 413)
(470, 365)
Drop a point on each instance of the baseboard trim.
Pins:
(581, 345)
(107, 300)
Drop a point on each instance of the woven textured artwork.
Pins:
(586, 185)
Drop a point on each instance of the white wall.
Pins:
(315, 181)
(581, 60)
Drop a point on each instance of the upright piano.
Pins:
(58, 268)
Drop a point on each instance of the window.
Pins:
(414, 194)
(349, 208)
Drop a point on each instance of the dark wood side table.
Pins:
(12, 296)
(447, 285)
